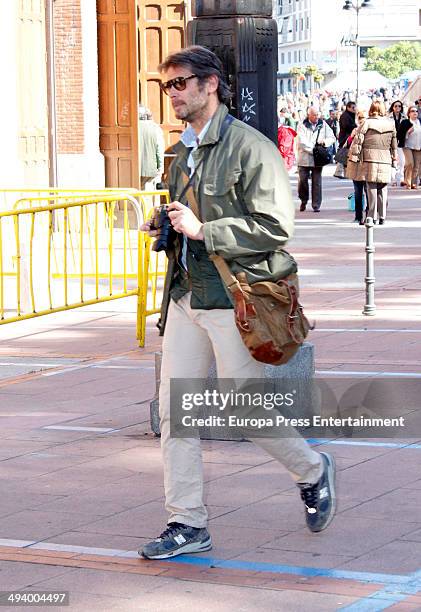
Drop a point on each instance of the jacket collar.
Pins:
(213, 134)
(313, 126)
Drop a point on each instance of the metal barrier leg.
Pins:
(142, 285)
(370, 279)
(141, 318)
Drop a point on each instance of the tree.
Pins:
(314, 74)
(318, 78)
(395, 60)
(298, 74)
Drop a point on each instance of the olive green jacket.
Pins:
(246, 206)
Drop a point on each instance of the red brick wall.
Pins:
(69, 76)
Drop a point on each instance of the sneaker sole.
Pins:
(331, 476)
(193, 547)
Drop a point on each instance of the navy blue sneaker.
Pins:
(320, 498)
(177, 539)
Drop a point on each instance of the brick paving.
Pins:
(80, 471)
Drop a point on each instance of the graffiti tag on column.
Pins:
(247, 104)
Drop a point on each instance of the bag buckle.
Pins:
(244, 325)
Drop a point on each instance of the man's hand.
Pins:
(185, 221)
(146, 227)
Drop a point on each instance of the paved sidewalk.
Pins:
(80, 471)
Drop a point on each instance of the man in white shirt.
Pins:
(312, 130)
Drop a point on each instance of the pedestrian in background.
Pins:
(151, 150)
(333, 123)
(374, 147)
(355, 172)
(418, 107)
(286, 138)
(396, 113)
(313, 130)
(283, 118)
(409, 139)
(347, 122)
(294, 119)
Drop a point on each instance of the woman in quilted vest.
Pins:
(370, 158)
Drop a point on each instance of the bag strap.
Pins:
(189, 181)
(188, 188)
(225, 273)
(235, 289)
(318, 133)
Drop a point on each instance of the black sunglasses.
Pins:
(179, 83)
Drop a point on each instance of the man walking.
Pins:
(311, 131)
(347, 122)
(333, 123)
(246, 216)
(151, 149)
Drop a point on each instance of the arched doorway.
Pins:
(134, 36)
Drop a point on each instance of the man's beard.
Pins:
(191, 112)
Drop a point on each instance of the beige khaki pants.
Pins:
(191, 339)
(412, 166)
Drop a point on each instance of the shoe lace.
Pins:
(172, 529)
(309, 495)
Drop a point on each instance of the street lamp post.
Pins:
(357, 6)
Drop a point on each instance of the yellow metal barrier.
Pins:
(89, 247)
(62, 249)
(155, 264)
(8, 197)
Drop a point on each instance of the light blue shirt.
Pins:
(191, 141)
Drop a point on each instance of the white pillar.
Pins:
(11, 167)
(86, 170)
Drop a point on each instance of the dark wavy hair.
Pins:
(393, 104)
(203, 63)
